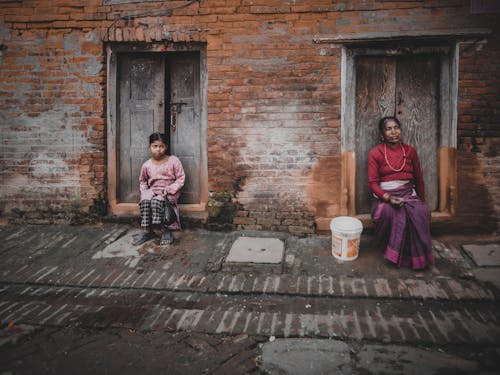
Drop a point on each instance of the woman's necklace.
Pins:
(387, 161)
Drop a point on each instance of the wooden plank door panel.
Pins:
(408, 87)
(185, 127)
(417, 108)
(141, 94)
(375, 87)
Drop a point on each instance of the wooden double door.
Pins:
(407, 87)
(158, 92)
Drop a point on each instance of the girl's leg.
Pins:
(145, 207)
(146, 234)
(157, 211)
(166, 238)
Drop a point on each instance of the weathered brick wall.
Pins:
(52, 127)
(479, 135)
(274, 101)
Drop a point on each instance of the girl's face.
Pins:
(158, 149)
(392, 132)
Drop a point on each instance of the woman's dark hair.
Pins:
(158, 137)
(384, 120)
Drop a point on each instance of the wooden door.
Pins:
(141, 94)
(185, 125)
(407, 87)
(158, 93)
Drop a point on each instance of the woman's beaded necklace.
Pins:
(387, 160)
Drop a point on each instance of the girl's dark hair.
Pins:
(158, 137)
(384, 120)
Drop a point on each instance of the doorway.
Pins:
(406, 87)
(155, 92)
(417, 84)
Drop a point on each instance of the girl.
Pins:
(161, 178)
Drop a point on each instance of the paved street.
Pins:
(82, 297)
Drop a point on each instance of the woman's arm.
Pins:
(374, 177)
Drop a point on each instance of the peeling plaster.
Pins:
(46, 148)
(72, 42)
(323, 189)
(5, 33)
(92, 36)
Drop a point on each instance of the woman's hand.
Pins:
(396, 201)
(393, 200)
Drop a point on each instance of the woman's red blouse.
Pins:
(379, 170)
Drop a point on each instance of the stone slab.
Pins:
(256, 250)
(306, 356)
(395, 359)
(123, 248)
(315, 356)
(484, 255)
(490, 274)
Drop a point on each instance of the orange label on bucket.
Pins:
(352, 247)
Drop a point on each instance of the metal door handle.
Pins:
(177, 106)
(173, 117)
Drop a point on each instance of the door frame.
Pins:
(112, 52)
(448, 96)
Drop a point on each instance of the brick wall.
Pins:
(52, 113)
(479, 134)
(274, 101)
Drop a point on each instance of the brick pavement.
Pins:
(282, 316)
(50, 278)
(296, 285)
(68, 350)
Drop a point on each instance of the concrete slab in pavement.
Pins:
(312, 356)
(484, 255)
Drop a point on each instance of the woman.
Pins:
(399, 210)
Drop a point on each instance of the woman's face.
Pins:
(158, 149)
(392, 132)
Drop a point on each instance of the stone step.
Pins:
(425, 323)
(438, 288)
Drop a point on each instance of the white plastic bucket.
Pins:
(346, 234)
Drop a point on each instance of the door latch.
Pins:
(175, 109)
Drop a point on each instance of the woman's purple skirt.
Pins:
(405, 231)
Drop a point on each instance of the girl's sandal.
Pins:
(142, 238)
(166, 239)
